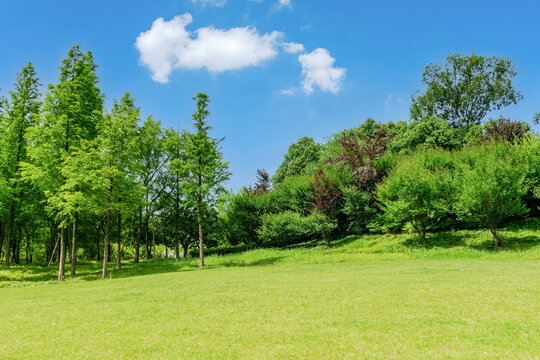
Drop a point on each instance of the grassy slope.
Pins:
(371, 297)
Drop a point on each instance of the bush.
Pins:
(491, 185)
(243, 217)
(288, 228)
(418, 191)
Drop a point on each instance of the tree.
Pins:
(298, 157)
(427, 132)
(71, 111)
(104, 168)
(418, 192)
(204, 168)
(465, 88)
(491, 186)
(326, 194)
(151, 161)
(263, 184)
(21, 115)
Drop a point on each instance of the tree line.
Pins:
(78, 181)
(76, 175)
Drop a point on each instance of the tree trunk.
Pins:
(166, 247)
(497, 240)
(17, 250)
(28, 253)
(62, 257)
(201, 242)
(9, 235)
(146, 239)
(186, 249)
(74, 245)
(106, 244)
(154, 238)
(177, 250)
(119, 243)
(138, 238)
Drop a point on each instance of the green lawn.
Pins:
(374, 297)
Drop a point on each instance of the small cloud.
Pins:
(284, 3)
(318, 70)
(169, 45)
(217, 3)
(288, 92)
(293, 48)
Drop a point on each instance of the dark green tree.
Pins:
(465, 89)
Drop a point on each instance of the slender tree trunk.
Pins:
(496, 238)
(9, 235)
(166, 247)
(2, 234)
(186, 249)
(17, 250)
(62, 257)
(138, 238)
(28, 257)
(177, 250)
(98, 232)
(154, 238)
(106, 244)
(146, 239)
(201, 242)
(119, 243)
(74, 245)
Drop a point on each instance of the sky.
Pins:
(275, 70)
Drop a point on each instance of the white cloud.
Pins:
(288, 92)
(168, 45)
(293, 48)
(284, 3)
(218, 3)
(318, 69)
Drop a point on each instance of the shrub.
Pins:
(288, 228)
(418, 191)
(491, 185)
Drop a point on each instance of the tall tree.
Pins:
(465, 88)
(204, 168)
(102, 169)
(151, 171)
(71, 111)
(298, 157)
(21, 114)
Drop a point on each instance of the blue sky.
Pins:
(264, 95)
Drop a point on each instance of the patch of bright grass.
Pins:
(371, 297)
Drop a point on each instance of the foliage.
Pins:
(419, 191)
(288, 228)
(299, 156)
(465, 89)
(427, 132)
(263, 184)
(204, 170)
(491, 186)
(293, 194)
(504, 129)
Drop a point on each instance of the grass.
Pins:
(371, 297)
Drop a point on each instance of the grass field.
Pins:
(373, 297)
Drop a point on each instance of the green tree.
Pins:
(427, 132)
(491, 186)
(151, 170)
(203, 169)
(465, 88)
(417, 191)
(298, 157)
(71, 112)
(105, 167)
(21, 115)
